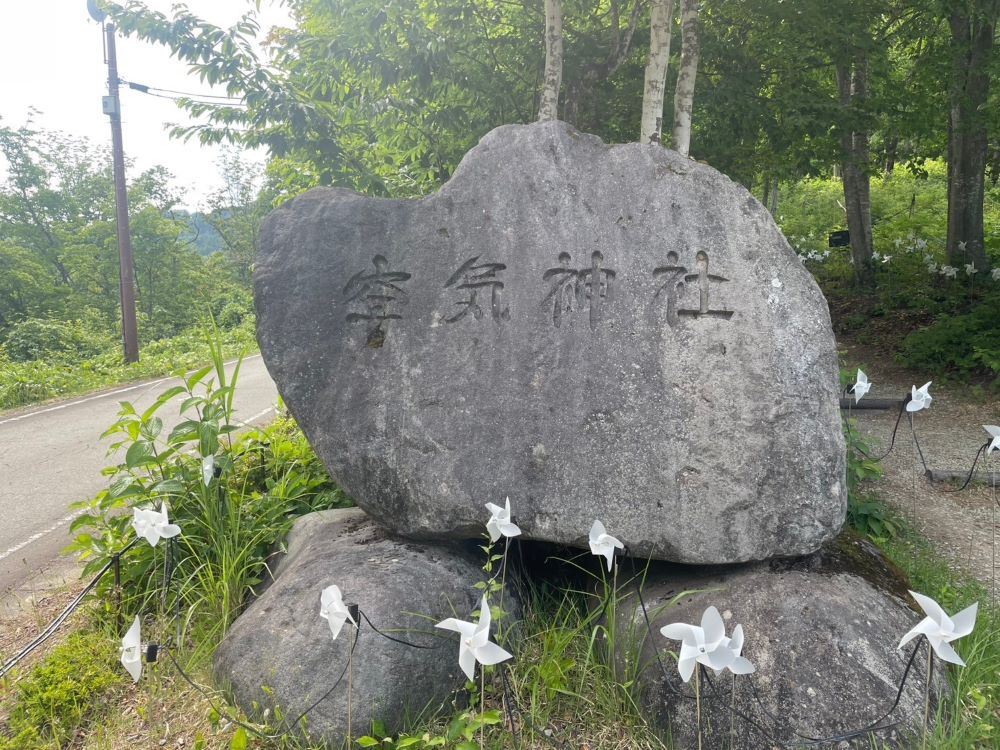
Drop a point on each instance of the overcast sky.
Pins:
(52, 60)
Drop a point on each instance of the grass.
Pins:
(64, 695)
(25, 383)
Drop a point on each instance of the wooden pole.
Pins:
(126, 275)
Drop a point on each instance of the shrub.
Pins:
(962, 344)
(55, 340)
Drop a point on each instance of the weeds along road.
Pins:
(52, 455)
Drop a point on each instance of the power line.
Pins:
(176, 96)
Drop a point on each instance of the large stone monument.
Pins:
(597, 331)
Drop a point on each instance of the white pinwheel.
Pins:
(131, 650)
(940, 629)
(500, 524)
(706, 645)
(970, 269)
(919, 397)
(995, 274)
(862, 386)
(154, 524)
(995, 434)
(207, 469)
(475, 644)
(603, 544)
(948, 271)
(333, 610)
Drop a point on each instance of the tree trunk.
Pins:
(661, 13)
(971, 49)
(852, 84)
(548, 108)
(765, 194)
(684, 92)
(891, 149)
(580, 90)
(773, 207)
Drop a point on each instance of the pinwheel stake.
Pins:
(500, 524)
(475, 646)
(994, 445)
(697, 701)
(353, 612)
(333, 609)
(920, 399)
(927, 691)
(707, 645)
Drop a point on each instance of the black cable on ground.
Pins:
(53, 626)
(920, 451)
(892, 442)
(979, 454)
(872, 727)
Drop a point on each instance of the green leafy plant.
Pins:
(234, 500)
(865, 512)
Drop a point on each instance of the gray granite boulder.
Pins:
(822, 632)
(597, 331)
(280, 652)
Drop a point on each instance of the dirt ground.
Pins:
(29, 608)
(961, 524)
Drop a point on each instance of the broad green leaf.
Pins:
(196, 377)
(139, 454)
(239, 741)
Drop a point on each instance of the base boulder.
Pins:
(280, 652)
(822, 632)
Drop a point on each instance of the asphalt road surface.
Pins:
(52, 455)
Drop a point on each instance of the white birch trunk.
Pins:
(548, 107)
(684, 93)
(661, 14)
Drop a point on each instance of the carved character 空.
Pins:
(377, 292)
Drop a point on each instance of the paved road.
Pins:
(53, 455)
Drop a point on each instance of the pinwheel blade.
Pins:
(491, 653)
(466, 629)
(945, 652)
(930, 607)
(713, 626)
(965, 621)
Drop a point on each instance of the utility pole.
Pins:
(112, 108)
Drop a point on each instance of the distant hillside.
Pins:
(199, 232)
